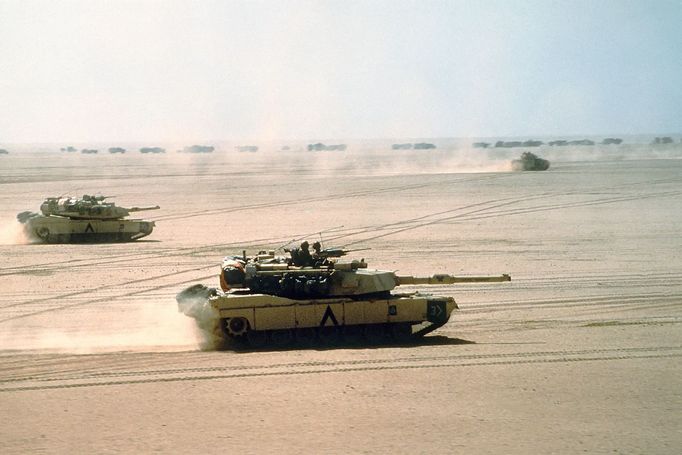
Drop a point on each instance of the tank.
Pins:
(530, 162)
(317, 298)
(86, 219)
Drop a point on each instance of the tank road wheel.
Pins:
(237, 326)
(375, 333)
(401, 331)
(282, 337)
(257, 338)
(329, 335)
(43, 233)
(224, 329)
(306, 336)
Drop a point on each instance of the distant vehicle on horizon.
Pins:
(152, 150)
(401, 147)
(320, 147)
(423, 146)
(197, 149)
(562, 143)
(512, 144)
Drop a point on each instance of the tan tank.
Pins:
(318, 298)
(86, 219)
(530, 162)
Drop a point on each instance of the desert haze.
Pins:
(580, 352)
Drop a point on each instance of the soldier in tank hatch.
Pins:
(301, 257)
(318, 258)
(317, 248)
(304, 256)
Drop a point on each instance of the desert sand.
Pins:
(581, 352)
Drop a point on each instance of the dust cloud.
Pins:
(415, 163)
(193, 302)
(142, 327)
(361, 158)
(12, 232)
(376, 162)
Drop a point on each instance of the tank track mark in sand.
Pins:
(112, 378)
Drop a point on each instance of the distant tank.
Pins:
(86, 219)
(317, 298)
(320, 147)
(663, 140)
(152, 150)
(423, 146)
(406, 146)
(530, 162)
(198, 149)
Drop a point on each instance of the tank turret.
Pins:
(305, 294)
(322, 276)
(87, 219)
(87, 207)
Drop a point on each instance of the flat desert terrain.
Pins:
(580, 352)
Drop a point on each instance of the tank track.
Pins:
(366, 334)
(114, 237)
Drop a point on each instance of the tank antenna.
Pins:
(307, 235)
(74, 191)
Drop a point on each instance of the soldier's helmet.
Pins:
(305, 245)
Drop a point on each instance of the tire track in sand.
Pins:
(89, 379)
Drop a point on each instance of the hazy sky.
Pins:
(202, 70)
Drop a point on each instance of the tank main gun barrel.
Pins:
(450, 279)
(140, 209)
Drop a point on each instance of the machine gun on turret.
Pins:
(337, 252)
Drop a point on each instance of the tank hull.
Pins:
(264, 319)
(54, 229)
(536, 164)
